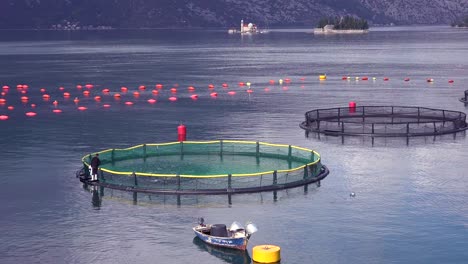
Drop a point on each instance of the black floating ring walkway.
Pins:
(323, 173)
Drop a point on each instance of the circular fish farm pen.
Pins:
(206, 167)
(464, 99)
(384, 121)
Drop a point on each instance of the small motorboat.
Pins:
(235, 237)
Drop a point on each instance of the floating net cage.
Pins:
(384, 121)
(464, 99)
(209, 167)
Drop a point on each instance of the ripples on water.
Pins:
(410, 198)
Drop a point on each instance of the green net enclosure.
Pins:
(206, 167)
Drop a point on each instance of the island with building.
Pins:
(342, 25)
(245, 28)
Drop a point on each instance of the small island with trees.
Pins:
(342, 25)
(460, 23)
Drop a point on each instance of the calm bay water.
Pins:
(410, 204)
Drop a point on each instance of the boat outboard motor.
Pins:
(250, 228)
(201, 221)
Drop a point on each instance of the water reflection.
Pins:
(226, 254)
(96, 195)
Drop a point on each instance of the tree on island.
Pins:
(460, 23)
(343, 23)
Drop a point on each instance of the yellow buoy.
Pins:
(323, 77)
(280, 81)
(266, 254)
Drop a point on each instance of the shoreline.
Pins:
(340, 31)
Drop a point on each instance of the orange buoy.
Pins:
(172, 98)
(105, 90)
(79, 87)
(66, 94)
(173, 90)
(82, 108)
(89, 86)
(225, 85)
(159, 86)
(142, 87)
(76, 100)
(33, 105)
(211, 86)
(194, 96)
(181, 133)
(267, 89)
(451, 81)
(2, 100)
(4, 117)
(213, 94)
(232, 92)
(151, 101)
(31, 114)
(57, 111)
(97, 98)
(128, 103)
(155, 92)
(191, 88)
(10, 107)
(86, 93)
(241, 84)
(106, 105)
(272, 82)
(43, 90)
(136, 94)
(249, 91)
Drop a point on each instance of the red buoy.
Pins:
(43, 90)
(232, 92)
(159, 86)
(79, 87)
(211, 86)
(142, 87)
(105, 91)
(287, 80)
(128, 103)
(10, 107)
(181, 133)
(24, 98)
(172, 98)
(194, 96)
(61, 88)
(344, 78)
(57, 111)
(55, 103)
(31, 114)
(386, 78)
(65, 94)
(173, 90)
(106, 105)
(97, 98)
(5, 87)
(117, 96)
(225, 85)
(151, 101)
(89, 86)
(124, 89)
(33, 105)
(285, 88)
(4, 117)
(2, 100)
(249, 91)
(86, 93)
(407, 79)
(76, 100)
(82, 108)
(352, 107)
(155, 92)
(272, 82)
(365, 78)
(190, 88)
(451, 81)
(213, 94)
(267, 89)
(136, 94)
(241, 84)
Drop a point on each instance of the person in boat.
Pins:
(95, 162)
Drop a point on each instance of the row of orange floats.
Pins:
(365, 78)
